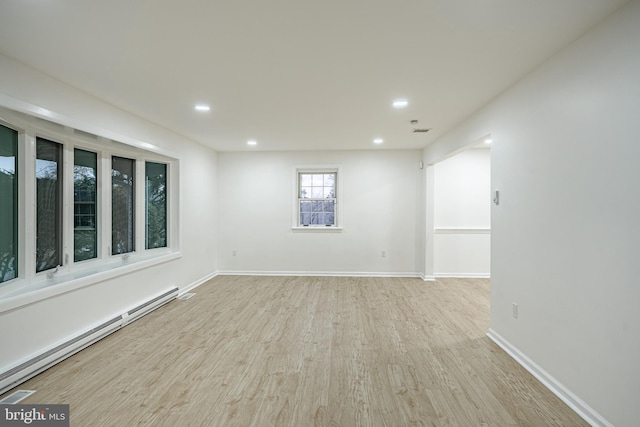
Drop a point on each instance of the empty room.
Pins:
(319, 214)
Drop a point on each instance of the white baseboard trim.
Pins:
(464, 275)
(428, 278)
(566, 395)
(197, 283)
(316, 273)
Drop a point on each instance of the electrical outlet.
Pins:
(233, 252)
(514, 308)
(383, 254)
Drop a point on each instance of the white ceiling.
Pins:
(294, 74)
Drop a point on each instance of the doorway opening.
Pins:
(462, 213)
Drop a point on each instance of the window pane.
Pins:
(48, 204)
(305, 206)
(317, 213)
(330, 218)
(85, 233)
(330, 185)
(317, 186)
(156, 205)
(329, 180)
(305, 180)
(122, 205)
(8, 204)
(316, 192)
(331, 206)
(305, 218)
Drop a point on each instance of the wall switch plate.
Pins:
(514, 308)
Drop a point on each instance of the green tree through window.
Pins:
(85, 184)
(156, 205)
(122, 205)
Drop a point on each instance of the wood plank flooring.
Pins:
(306, 351)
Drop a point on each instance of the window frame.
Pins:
(324, 169)
(97, 219)
(29, 286)
(15, 235)
(60, 229)
(132, 229)
(166, 205)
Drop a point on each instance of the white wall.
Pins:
(565, 236)
(27, 330)
(381, 210)
(462, 214)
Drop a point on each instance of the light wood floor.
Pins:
(306, 351)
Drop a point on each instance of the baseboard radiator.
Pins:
(45, 360)
(148, 306)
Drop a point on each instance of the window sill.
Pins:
(20, 292)
(322, 229)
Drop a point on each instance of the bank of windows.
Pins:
(49, 207)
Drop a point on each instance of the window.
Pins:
(8, 204)
(155, 205)
(48, 204)
(85, 186)
(71, 200)
(122, 205)
(317, 198)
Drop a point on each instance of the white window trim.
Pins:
(30, 286)
(295, 211)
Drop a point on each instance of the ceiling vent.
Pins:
(421, 130)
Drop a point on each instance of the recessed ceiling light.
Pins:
(252, 142)
(378, 140)
(400, 103)
(202, 107)
(487, 141)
